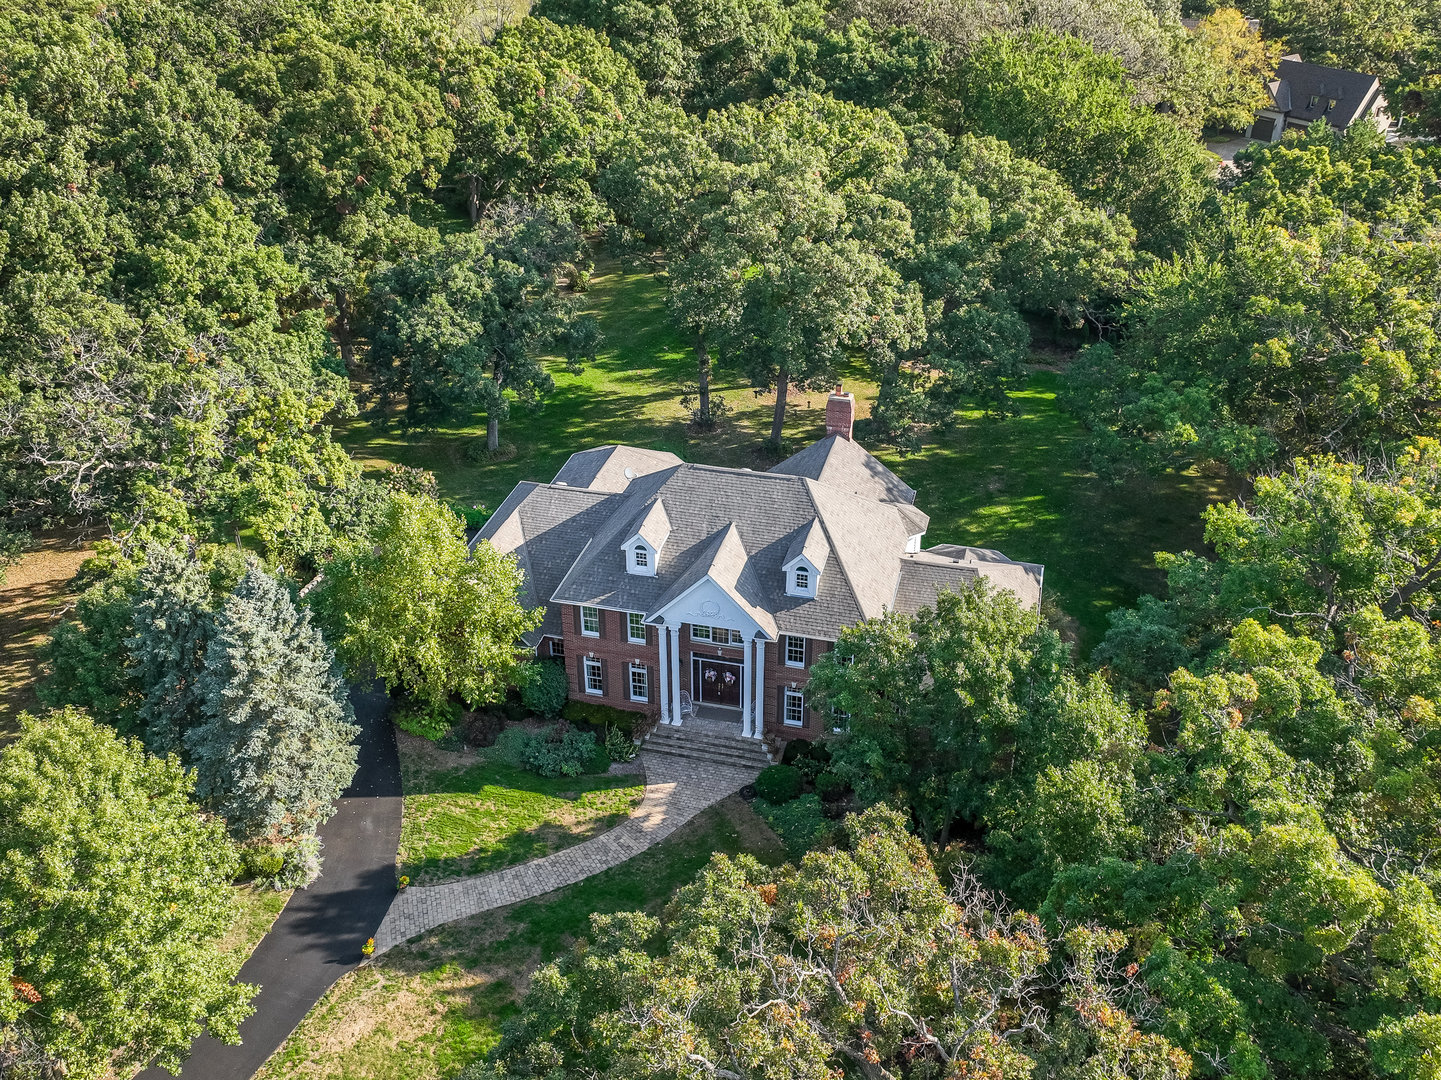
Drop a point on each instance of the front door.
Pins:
(716, 682)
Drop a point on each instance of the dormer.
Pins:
(642, 549)
(806, 560)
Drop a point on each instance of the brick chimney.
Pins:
(840, 413)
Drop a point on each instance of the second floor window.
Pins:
(635, 627)
(717, 634)
(590, 621)
(795, 651)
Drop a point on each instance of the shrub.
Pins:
(558, 750)
(545, 693)
(830, 787)
(301, 864)
(619, 745)
(259, 862)
(484, 728)
(600, 716)
(801, 824)
(427, 720)
(778, 783)
(794, 749)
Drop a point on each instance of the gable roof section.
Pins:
(1297, 82)
(1022, 578)
(810, 544)
(612, 468)
(725, 564)
(545, 527)
(841, 463)
(924, 576)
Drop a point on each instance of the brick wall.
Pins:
(779, 677)
(615, 654)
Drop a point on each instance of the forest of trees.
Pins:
(1207, 849)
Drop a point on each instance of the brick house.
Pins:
(665, 582)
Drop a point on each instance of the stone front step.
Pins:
(699, 745)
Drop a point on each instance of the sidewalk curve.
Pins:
(676, 790)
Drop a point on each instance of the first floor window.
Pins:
(839, 718)
(594, 676)
(795, 651)
(557, 647)
(795, 709)
(635, 626)
(590, 621)
(639, 683)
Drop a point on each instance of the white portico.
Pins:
(691, 623)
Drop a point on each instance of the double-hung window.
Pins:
(635, 627)
(699, 633)
(639, 683)
(590, 621)
(594, 676)
(795, 651)
(794, 713)
(642, 556)
(557, 648)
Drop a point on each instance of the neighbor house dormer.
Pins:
(642, 550)
(806, 560)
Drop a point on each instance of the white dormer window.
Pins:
(913, 543)
(805, 560)
(642, 549)
(803, 580)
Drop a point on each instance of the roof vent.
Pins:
(629, 473)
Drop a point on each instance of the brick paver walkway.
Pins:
(676, 790)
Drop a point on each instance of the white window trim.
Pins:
(583, 631)
(786, 651)
(645, 675)
(699, 637)
(630, 627)
(599, 676)
(803, 579)
(786, 720)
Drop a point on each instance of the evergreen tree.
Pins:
(173, 622)
(276, 746)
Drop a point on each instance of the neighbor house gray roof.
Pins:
(1304, 92)
(739, 528)
(611, 468)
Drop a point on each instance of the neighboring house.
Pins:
(1302, 93)
(660, 578)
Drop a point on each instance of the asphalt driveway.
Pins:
(317, 937)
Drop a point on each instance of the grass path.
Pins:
(1020, 484)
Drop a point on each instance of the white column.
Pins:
(674, 634)
(747, 687)
(759, 728)
(663, 676)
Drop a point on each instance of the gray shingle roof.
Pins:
(846, 464)
(545, 527)
(611, 468)
(739, 528)
(1298, 82)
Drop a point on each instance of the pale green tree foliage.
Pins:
(424, 613)
(463, 328)
(859, 962)
(114, 895)
(275, 747)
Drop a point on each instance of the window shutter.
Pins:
(575, 618)
(580, 665)
(781, 708)
(604, 682)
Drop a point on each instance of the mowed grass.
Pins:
(1020, 484)
(466, 813)
(424, 1010)
(257, 908)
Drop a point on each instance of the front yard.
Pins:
(424, 1010)
(467, 813)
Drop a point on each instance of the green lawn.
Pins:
(1019, 484)
(467, 814)
(424, 1010)
(257, 907)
